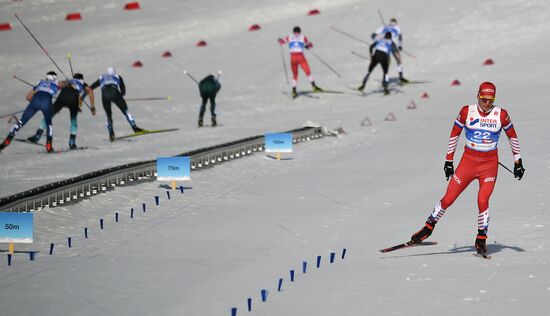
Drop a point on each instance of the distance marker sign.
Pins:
(16, 227)
(173, 168)
(278, 143)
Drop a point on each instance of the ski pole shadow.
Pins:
(491, 249)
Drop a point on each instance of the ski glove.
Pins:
(309, 45)
(449, 169)
(281, 41)
(518, 169)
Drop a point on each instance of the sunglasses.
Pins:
(486, 100)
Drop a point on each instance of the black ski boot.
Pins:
(200, 122)
(481, 243)
(49, 146)
(315, 87)
(214, 122)
(111, 133)
(386, 90)
(7, 141)
(425, 232)
(402, 79)
(36, 137)
(361, 87)
(72, 141)
(294, 93)
(137, 129)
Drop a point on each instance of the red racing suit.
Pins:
(480, 158)
(296, 45)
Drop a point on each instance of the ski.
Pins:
(324, 91)
(362, 93)
(26, 141)
(147, 132)
(408, 245)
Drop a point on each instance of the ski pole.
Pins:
(359, 55)
(505, 167)
(381, 18)
(23, 81)
(349, 35)
(149, 98)
(72, 74)
(284, 64)
(324, 63)
(189, 75)
(42, 47)
(70, 64)
(10, 114)
(408, 54)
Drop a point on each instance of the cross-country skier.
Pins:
(382, 49)
(483, 123)
(40, 99)
(71, 97)
(296, 45)
(113, 90)
(397, 37)
(209, 88)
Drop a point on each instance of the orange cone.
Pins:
(425, 95)
(455, 83)
(488, 62)
(254, 27)
(201, 43)
(137, 64)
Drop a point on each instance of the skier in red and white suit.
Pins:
(483, 123)
(296, 45)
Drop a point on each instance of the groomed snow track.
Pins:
(75, 189)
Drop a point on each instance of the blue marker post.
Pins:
(263, 294)
(9, 259)
(101, 223)
(181, 189)
(132, 213)
(168, 194)
(343, 253)
(233, 311)
(144, 207)
(69, 242)
(116, 217)
(318, 261)
(249, 303)
(157, 200)
(291, 275)
(51, 248)
(85, 232)
(280, 284)
(332, 254)
(304, 266)
(31, 255)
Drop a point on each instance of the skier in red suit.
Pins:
(483, 123)
(296, 45)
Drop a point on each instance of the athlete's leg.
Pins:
(294, 61)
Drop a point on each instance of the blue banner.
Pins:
(173, 168)
(278, 143)
(16, 227)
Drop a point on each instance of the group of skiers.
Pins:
(387, 41)
(482, 121)
(71, 95)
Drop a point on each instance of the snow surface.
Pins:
(245, 224)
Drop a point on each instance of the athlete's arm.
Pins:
(95, 84)
(122, 86)
(30, 94)
(511, 133)
(455, 132)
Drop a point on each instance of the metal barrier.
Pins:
(81, 187)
